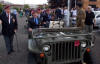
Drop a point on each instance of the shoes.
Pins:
(10, 52)
(92, 44)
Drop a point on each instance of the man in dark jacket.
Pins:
(33, 23)
(89, 20)
(46, 18)
(9, 27)
(58, 13)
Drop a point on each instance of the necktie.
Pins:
(36, 21)
(8, 16)
(49, 16)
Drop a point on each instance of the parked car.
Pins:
(97, 19)
(96, 12)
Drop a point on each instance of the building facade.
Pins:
(93, 3)
(61, 3)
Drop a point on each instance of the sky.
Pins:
(27, 1)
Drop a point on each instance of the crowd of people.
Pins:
(79, 17)
(39, 18)
(47, 15)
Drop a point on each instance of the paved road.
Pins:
(21, 56)
(96, 49)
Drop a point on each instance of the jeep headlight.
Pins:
(46, 48)
(83, 44)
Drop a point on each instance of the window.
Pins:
(92, 0)
(93, 6)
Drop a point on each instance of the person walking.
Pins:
(89, 20)
(21, 12)
(26, 12)
(81, 15)
(9, 28)
(15, 12)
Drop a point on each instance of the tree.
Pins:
(1, 8)
(26, 6)
(44, 6)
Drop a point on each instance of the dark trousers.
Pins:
(46, 25)
(9, 42)
(30, 36)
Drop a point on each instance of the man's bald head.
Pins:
(89, 8)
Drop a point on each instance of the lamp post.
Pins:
(75, 3)
(68, 22)
(44, 6)
(24, 2)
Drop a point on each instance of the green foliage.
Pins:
(42, 6)
(1, 8)
(26, 6)
(46, 6)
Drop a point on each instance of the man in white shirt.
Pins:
(74, 15)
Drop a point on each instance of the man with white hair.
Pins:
(89, 21)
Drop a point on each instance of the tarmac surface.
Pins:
(20, 56)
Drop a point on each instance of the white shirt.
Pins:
(9, 17)
(15, 12)
(62, 11)
(66, 12)
(74, 13)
